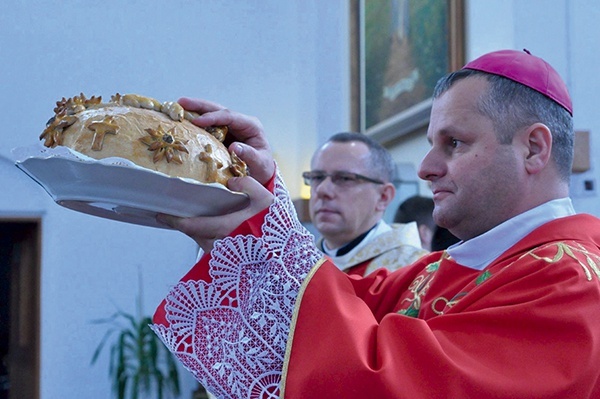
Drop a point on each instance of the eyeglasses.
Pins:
(340, 179)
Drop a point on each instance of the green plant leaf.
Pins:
(139, 363)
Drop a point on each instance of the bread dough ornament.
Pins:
(154, 135)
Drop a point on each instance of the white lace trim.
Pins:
(38, 150)
(232, 333)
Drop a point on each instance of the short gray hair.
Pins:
(380, 160)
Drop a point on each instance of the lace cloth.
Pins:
(38, 150)
(232, 333)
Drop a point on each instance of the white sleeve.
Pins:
(232, 333)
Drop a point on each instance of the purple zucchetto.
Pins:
(527, 69)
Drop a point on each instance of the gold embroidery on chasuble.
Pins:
(589, 262)
(396, 258)
(420, 286)
(550, 253)
(288, 347)
(392, 250)
(418, 289)
(441, 304)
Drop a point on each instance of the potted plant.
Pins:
(140, 364)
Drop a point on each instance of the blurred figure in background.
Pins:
(442, 239)
(419, 209)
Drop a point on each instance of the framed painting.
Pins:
(400, 48)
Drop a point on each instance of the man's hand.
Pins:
(206, 229)
(250, 143)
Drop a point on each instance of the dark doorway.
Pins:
(19, 308)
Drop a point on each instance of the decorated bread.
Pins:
(153, 135)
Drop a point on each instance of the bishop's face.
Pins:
(476, 181)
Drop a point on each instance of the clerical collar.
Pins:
(343, 250)
(479, 252)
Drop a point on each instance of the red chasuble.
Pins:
(264, 314)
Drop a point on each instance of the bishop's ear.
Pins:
(538, 141)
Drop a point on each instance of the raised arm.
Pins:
(248, 141)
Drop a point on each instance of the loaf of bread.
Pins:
(153, 135)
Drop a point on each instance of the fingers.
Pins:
(250, 142)
(206, 229)
(199, 105)
(260, 197)
(259, 162)
(188, 226)
(243, 127)
(213, 114)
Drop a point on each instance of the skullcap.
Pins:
(527, 69)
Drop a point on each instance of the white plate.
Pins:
(125, 193)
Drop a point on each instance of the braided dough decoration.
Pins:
(153, 135)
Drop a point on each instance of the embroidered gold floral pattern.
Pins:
(419, 288)
(446, 304)
(165, 145)
(392, 250)
(589, 262)
(483, 277)
(590, 266)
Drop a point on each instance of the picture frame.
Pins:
(395, 62)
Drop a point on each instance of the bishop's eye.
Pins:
(454, 142)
